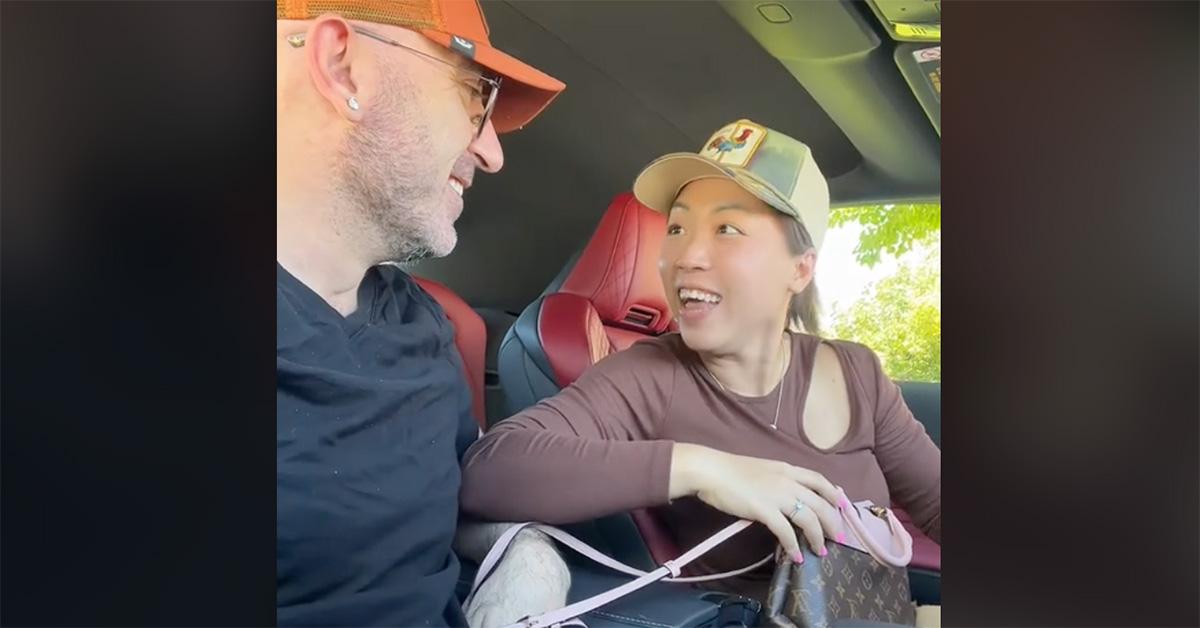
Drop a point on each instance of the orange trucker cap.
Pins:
(458, 25)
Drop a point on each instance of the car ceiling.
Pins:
(647, 78)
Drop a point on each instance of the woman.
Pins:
(739, 415)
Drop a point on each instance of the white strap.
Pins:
(668, 572)
(897, 553)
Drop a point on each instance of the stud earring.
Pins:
(353, 103)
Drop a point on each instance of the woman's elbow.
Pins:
(489, 478)
(472, 499)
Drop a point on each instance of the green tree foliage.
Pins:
(898, 316)
(890, 229)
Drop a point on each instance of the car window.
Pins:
(879, 277)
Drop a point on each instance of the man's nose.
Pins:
(489, 156)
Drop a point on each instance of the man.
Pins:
(385, 110)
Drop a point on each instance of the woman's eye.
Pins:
(674, 229)
(728, 229)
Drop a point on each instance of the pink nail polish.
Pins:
(798, 557)
(824, 552)
(841, 538)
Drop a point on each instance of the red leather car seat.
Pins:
(470, 336)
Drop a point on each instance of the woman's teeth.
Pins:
(691, 294)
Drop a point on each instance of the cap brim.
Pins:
(659, 183)
(524, 92)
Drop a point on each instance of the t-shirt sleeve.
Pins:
(587, 452)
(911, 462)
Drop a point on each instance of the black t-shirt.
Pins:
(374, 414)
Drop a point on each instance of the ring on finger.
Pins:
(796, 510)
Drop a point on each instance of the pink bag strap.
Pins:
(668, 572)
(892, 546)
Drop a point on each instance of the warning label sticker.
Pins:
(928, 54)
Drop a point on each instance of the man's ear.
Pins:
(330, 48)
(803, 267)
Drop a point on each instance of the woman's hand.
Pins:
(766, 491)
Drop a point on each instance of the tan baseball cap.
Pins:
(774, 167)
(458, 25)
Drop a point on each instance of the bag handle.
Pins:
(891, 548)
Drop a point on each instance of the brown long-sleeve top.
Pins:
(603, 445)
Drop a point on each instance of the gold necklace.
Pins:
(782, 372)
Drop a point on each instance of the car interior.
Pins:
(555, 266)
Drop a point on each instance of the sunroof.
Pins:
(910, 20)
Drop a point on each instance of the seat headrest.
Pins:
(618, 269)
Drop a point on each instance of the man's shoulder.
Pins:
(293, 318)
(396, 279)
(406, 286)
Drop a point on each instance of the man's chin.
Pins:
(427, 245)
(430, 251)
(442, 249)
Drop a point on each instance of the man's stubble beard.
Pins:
(387, 184)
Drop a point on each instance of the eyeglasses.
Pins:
(484, 88)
